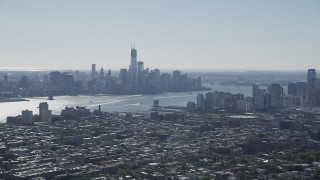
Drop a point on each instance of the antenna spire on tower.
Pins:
(133, 45)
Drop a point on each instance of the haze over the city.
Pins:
(180, 34)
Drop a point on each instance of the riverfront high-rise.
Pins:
(311, 77)
(312, 95)
(276, 93)
(43, 106)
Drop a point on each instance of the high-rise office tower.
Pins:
(76, 76)
(108, 75)
(301, 89)
(56, 78)
(317, 84)
(101, 74)
(262, 102)
(156, 75)
(209, 101)
(123, 76)
(93, 68)
(255, 91)
(198, 83)
(311, 77)
(27, 117)
(311, 94)
(68, 83)
(141, 76)
(140, 66)
(176, 74)
(276, 93)
(200, 102)
(44, 112)
(317, 87)
(93, 71)
(176, 83)
(218, 99)
(46, 116)
(133, 57)
(133, 68)
(261, 99)
(292, 89)
(23, 82)
(165, 82)
(43, 106)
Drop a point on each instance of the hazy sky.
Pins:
(168, 34)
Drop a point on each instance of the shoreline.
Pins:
(12, 100)
(104, 94)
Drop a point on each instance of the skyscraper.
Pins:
(141, 76)
(93, 71)
(43, 106)
(292, 89)
(199, 84)
(311, 94)
(68, 83)
(101, 77)
(23, 82)
(140, 66)
(123, 76)
(56, 78)
(209, 101)
(276, 93)
(176, 76)
(200, 102)
(44, 112)
(27, 117)
(255, 91)
(133, 68)
(311, 78)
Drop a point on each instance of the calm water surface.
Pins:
(112, 103)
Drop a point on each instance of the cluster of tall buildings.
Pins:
(8, 88)
(218, 100)
(264, 99)
(28, 118)
(273, 97)
(299, 94)
(306, 94)
(63, 83)
(135, 79)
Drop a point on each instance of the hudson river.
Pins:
(112, 103)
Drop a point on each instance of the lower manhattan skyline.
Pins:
(185, 35)
(159, 90)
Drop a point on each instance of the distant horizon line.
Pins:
(182, 69)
